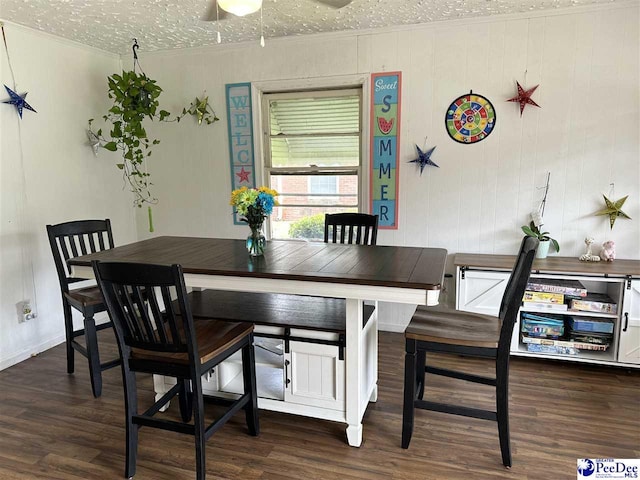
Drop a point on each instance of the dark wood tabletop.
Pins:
(404, 267)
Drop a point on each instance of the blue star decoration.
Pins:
(424, 158)
(18, 100)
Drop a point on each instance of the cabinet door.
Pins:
(315, 376)
(481, 292)
(629, 346)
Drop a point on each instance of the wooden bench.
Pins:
(289, 312)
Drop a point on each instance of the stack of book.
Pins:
(572, 288)
(592, 331)
(542, 325)
(595, 302)
(550, 294)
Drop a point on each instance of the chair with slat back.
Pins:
(68, 240)
(466, 334)
(358, 228)
(162, 338)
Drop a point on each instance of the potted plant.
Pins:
(135, 97)
(533, 230)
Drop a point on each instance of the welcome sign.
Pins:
(240, 122)
(385, 145)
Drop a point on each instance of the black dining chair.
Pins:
(466, 334)
(68, 240)
(352, 228)
(160, 337)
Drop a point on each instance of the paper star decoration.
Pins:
(18, 100)
(613, 210)
(244, 175)
(94, 141)
(424, 158)
(202, 110)
(524, 97)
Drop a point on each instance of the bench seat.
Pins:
(274, 309)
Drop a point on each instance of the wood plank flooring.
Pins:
(52, 428)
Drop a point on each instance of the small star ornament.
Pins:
(244, 175)
(18, 101)
(94, 141)
(613, 210)
(202, 110)
(524, 97)
(424, 158)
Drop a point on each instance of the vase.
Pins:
(256, 241)
(543, 249)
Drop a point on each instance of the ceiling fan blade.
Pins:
(334, 3)
(210, 14)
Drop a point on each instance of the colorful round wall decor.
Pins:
(470, 118)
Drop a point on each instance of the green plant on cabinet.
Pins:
(533, 231)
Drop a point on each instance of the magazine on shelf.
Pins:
(591, 325)
(591, 337)
(545, 297)
(569, 344)
(595, 302)
(551, 307)
(572, 288)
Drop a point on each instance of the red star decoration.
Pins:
(244, 175)
(524, 97)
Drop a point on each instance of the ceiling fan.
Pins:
(241, 8)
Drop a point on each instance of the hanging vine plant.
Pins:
(135, 97)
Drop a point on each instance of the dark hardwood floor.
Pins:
(52, 428)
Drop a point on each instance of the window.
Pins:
(323, 184)
(312, 158)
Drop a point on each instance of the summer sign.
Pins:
(385, 144)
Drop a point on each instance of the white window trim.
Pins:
(259, 88)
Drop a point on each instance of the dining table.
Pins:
(355, 273)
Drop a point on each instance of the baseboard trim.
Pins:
(31, 351)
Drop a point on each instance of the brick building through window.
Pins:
(312, 158)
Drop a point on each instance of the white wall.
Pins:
(585, 134)
(48, 174)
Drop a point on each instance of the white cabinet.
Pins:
(481, 281)
(629, 346)
(481, 291)
(298, 370)
(314, 375)
(305, 378)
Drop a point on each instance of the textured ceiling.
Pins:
(168, 24)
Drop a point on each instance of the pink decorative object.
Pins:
(608, 252)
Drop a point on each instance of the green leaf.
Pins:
(120, 165)
(556, 245)
(111, 146)
(528, 231)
